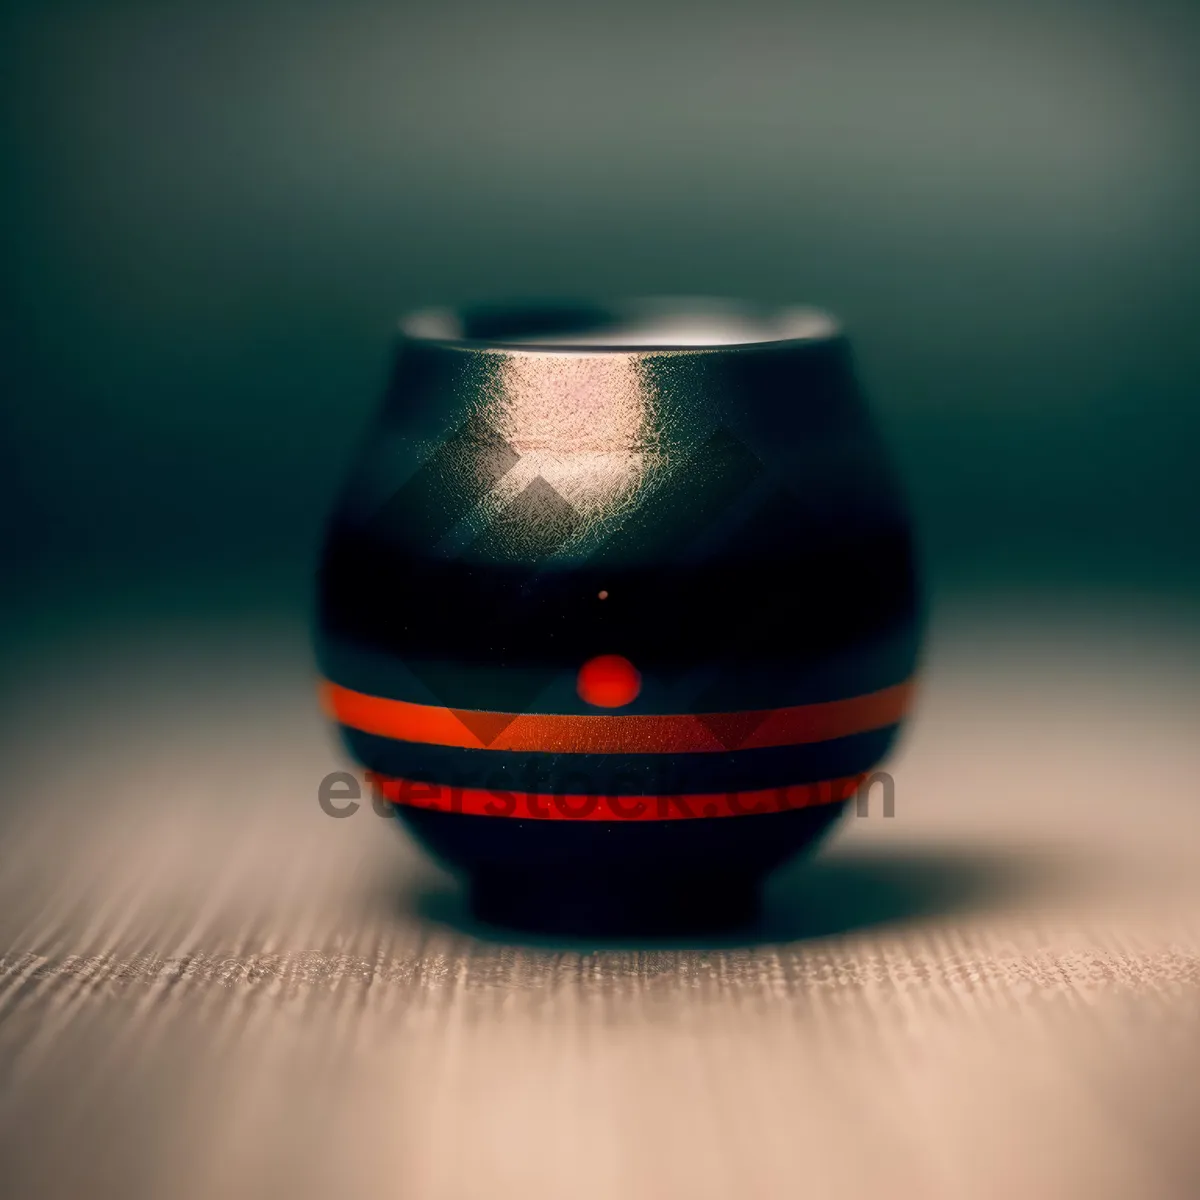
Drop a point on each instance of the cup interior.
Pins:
(634, 324)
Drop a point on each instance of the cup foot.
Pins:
(614, 905)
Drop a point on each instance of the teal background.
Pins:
(213, 214)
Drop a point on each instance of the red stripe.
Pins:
(666, 733)
(532, 806)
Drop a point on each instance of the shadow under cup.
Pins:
(618, 603)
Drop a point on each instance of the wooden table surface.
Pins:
(210, 988)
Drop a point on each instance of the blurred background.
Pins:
(212, 215)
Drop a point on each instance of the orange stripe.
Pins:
(668, 733)
(527, 806)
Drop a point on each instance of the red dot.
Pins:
(608, 681)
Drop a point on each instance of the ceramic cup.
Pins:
(618, 606)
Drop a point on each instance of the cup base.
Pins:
(613, 905)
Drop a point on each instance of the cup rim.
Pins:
(638, 325)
